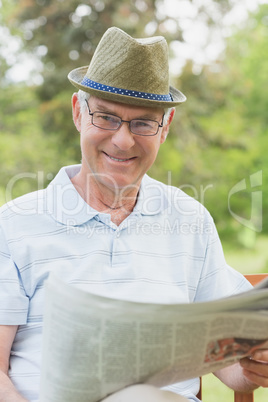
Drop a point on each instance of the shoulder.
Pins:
(36, 203)
(27, 204)
(173, 200)
(21, 214)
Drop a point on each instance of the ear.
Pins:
(165, 128)
(76, 112)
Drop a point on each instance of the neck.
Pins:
(119, 204)
(124, 203)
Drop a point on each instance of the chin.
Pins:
(119, 184)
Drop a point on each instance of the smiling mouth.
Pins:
(118, 159)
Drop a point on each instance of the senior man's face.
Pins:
(117, 159)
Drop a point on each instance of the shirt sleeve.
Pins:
(217, 278)
(13, 300)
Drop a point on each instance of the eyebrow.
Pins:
(105, 109)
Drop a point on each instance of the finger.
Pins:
(255, 371)
(255, 366)
(255, 378)
(260, 355)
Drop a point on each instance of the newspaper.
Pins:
(94, 346)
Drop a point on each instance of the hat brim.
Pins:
(77, 75)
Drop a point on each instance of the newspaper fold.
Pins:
(94, 346)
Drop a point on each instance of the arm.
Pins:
(8, 392)
(248, 374)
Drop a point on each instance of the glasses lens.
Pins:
(106, 121)
(144, 127)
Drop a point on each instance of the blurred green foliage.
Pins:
(220, 134)
(218, 138)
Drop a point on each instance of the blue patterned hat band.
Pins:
(106, 88)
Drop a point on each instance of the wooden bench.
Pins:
(242, 396)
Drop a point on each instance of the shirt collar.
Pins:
(64, 202)
(153, 197)
(66, 206)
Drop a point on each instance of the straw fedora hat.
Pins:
(128, 70)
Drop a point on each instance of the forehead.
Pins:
(122, 108)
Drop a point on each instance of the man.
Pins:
(106, 227)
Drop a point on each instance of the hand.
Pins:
(255, 368)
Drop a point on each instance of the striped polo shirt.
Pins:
(166, 251)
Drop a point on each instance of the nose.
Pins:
(123, 138)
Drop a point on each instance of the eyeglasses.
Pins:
(108, 121)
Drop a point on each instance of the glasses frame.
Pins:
(124, 121)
